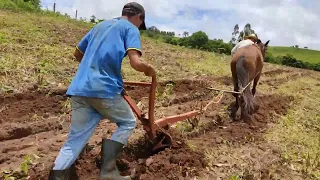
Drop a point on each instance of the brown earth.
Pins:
(188, 157)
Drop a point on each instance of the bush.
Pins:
(168, 39)
(289, 60)
(18, 5)
(198, 40)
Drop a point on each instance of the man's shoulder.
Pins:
(124, 23)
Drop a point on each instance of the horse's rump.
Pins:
(252, 57)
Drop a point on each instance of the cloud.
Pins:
(284, 22)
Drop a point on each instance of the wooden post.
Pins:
(54, 7)
(76, 14)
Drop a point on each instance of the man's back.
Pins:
(104, 47)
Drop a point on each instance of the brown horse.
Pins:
(246, 66)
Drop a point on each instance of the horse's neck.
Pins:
(259, 50)
(258, 47)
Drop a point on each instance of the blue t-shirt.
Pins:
(104, 47)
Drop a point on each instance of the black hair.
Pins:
(128, 13)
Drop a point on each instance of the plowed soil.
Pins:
(37, 123)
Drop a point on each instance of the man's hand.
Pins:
(138, 65)
(150, 72)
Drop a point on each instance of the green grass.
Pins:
(306, 55)
(299, 131)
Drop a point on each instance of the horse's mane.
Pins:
(258, 46)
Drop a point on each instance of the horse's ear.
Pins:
(266, 44)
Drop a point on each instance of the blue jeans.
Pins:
(86, 115)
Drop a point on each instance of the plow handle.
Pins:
(149, 123)
(152, 96)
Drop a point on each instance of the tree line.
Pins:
(200, 40)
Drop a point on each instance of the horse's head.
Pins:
(263, 47)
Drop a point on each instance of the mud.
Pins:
(276, 72)
(183, 91)
(23, 106)
(177, 162)
(187, 158)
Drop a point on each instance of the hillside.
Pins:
(36, 66)
(306, 55)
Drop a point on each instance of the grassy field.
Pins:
(306, 55)
(36, 51)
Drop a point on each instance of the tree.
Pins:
(198, 39)
(35, 3)
(246, 31)
(296, 46)
(93, 19)
(185, 34)
(154, 29)
(234, 34)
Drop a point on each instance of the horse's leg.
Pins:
(244, 112)
(235, 86)
(235, 107)
(254, 89)
(255, 83)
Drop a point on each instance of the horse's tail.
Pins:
(243, 80)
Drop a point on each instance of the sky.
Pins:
(283, 22)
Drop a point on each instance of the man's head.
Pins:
(135, 14)
(252, 37)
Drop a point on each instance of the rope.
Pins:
(211, 102)
(234, 92)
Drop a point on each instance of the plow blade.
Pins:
(163, 140)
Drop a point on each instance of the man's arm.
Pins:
(138, 65)
(133, 48)
(82, 46)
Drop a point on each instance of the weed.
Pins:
(66, 106)
(235, 177)
(192, 147)
(23, 170)
(183, 127)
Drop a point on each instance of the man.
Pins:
(248, 40)
(96, 90)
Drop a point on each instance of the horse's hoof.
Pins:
(247, 118)
(256, 108)
(233, 117)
